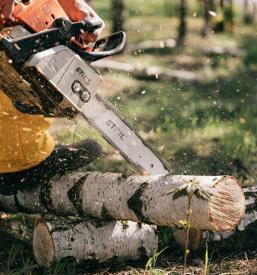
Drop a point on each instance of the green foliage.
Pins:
(148, 7)
(151, 263)
(250, 58)
(64, 267)
(17, 262)
(191, 187)
(165, 237)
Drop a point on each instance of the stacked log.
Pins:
(109, 197)
(145, 199)
(55, 239)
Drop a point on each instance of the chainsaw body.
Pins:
(35, 84)
(43, 24)
(46, 69)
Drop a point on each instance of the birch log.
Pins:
(57, 239)
(137, 198)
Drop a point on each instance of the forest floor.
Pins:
(203, 128)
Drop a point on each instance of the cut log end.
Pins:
(43, 245)
(227, 207)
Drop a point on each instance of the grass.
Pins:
(208, 129)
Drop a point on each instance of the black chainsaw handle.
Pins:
(104, 47)
(19, 50)
(75, 28)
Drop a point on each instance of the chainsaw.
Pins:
(46, 69)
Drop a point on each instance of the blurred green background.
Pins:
(205, 126)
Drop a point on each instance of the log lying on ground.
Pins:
(56, 239)
(137, 198)
(151, 45)
(156, 45)
(220, 50)
(151, 73)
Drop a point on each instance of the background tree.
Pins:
(118, 15)
(229, 14)
(182, 25)
(254, 10)
(209, 7)
(220, 23)
(225, 16)
(250, 9)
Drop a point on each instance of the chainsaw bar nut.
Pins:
(79, 89)
(85, 96)
(76, 87)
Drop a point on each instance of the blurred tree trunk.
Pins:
(249, 11)
(254, 10)
(209, 6)
(220, 25)
(225, 16)
(230, 14)
(118, 15)
(182, 25)
(246, 11)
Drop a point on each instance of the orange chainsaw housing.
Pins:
(40, 14)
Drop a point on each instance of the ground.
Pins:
(207, 128)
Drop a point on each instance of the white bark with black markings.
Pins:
(137, 198)
(57, 239)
